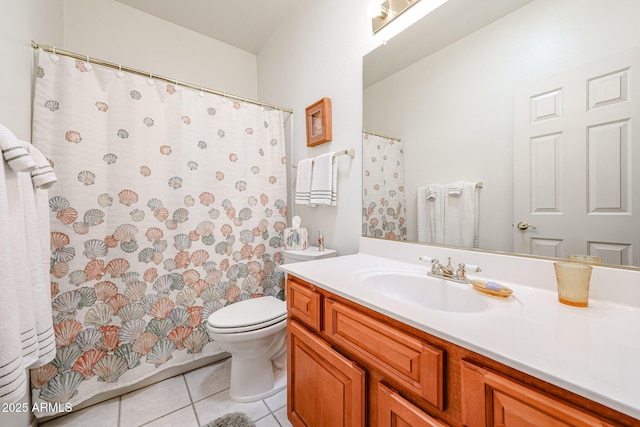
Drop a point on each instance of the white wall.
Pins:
(316, 53)
(21, 22)
(118, 33)
(454, 109)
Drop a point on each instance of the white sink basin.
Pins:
(416, 288)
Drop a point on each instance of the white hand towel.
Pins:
(303, 181)
(12, 367)
(36, 280)
(430, 214)
(455, 188)
(14, 152)
(461, 217)
(43, 175)
(324, 181)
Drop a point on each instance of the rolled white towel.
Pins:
(455, 188)
(43, 175)
(14, 152)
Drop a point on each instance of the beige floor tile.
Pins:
(209, 380)
(277, 401)
(185, 417)
(152, 402)
(268, 421)
(281, 416)
(99, 415)
(219, 404)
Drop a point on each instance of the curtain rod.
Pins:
(381, 135)
(350, 152)
(55, 50)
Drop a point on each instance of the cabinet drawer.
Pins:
(402, 357)
(304, 304)
(491, 399)
(394, 410)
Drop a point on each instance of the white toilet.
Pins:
(254, 333)
(294, 255)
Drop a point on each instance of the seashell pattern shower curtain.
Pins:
(169, 205)
(383, 197)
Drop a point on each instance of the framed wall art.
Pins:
(319, 122)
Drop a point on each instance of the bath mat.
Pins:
(234, 419)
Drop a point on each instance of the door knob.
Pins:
(523, 225)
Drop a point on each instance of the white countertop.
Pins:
(594, 351)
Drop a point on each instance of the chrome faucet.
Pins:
(447, 272)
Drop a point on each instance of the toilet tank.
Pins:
(309, 254)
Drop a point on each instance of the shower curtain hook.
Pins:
(177, 86)
(54, 57)
(201, 93)
(88, 65)
(262, 106)
(119, 73)
(150, 81)
(224, 97)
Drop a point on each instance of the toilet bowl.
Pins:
(254, 333)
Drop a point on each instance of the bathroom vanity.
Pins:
(357, 356)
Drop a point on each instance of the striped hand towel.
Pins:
(324, 181)
(303, 181)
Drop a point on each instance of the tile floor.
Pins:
(188, 400)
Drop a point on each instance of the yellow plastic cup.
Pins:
(573, 283)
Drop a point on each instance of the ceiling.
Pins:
(245, 24)
(447, 24)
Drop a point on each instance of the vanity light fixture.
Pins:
(383, 12)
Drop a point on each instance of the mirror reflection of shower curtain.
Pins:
(169, 206)
(383, 198)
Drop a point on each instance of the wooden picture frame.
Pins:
(319, 122)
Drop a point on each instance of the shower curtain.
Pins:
(169, 206)
(383, 197)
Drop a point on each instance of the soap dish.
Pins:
(491, 288)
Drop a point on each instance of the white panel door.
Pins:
(577, 162)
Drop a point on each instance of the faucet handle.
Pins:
(427, 259)
(471, 268)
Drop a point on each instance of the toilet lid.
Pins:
(259, 312)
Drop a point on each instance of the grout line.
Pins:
(196, 414)
(193, 408)
(211, 395)
(119, 409)
(186, 384)
(165, 415)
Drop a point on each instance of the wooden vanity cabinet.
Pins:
(324, 388)
(492, 399)
(349, 365)
(396, 411)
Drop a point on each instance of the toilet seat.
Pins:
(248, 315)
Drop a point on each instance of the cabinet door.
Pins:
(395, 411)
(304, 304)
(324, 388)
(490, 399)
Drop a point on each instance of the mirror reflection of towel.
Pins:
(461, 215)
(431, 214)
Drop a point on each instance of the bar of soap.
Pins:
(491, 288)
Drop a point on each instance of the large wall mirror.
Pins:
(536, 100)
